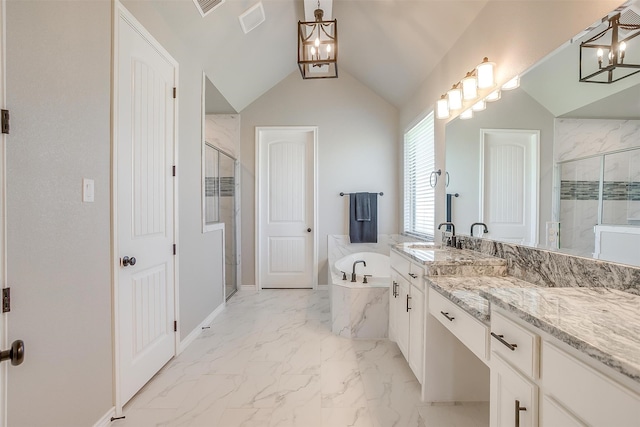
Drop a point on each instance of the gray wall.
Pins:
(357, 151)
(201, 284)
(58, 89)
(516, 110)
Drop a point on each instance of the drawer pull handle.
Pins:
(447, 316)
(413, 275)
(408, 298)
(395, 292)
(500, 338)
(518, 409)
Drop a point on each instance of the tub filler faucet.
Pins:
(353, 273)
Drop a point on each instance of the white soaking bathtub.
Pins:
(360, 310)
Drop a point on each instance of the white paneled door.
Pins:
(509, 184)
(144, 199)
(286, 247)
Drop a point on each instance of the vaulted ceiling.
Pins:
(388, 45)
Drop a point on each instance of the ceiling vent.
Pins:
(252, 17)
(206, 6)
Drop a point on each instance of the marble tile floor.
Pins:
(271, 360)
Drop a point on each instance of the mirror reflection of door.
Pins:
(509, 184)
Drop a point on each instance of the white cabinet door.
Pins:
(416, 332)
(514, 399)
(402, 327)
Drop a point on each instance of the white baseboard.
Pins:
(198, 329)
(249, 288)
(323, 287)
(106, 418)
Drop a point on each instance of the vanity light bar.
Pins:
(464, 94)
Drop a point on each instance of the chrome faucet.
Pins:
(353, 273)
(452, 241)
(479, 223)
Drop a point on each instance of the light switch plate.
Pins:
(88, 190)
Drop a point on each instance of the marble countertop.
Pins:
(600, 322)
(465, 291)
(426, 253)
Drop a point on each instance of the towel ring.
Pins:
(436, 174)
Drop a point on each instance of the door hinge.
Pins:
(4, 121)
(175, 92)
(174, 170)
(6, 300)
(174, 249)
(175, 326)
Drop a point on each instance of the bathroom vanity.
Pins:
(556, 356)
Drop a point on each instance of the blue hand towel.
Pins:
(363, 231)
(363, 207)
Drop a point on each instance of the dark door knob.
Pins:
(308, 230)
(15, 353)
(128, 261)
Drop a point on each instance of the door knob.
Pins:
(128, 261)
(15, 353)
(308, 230)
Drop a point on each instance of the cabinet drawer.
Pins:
(598, 400)
(400, 264)
(515, 344)
(465, 327)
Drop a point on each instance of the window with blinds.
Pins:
(419, 196)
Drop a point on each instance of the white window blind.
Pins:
(419, 196)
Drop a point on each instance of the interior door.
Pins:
(509, 184)
(145, 282)
(286, 249)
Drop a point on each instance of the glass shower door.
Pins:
(228, 215)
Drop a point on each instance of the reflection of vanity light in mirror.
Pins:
(514, 83)
(493, 96)
(468, 114)
(479, 106)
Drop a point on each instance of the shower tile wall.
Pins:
(579, 186)
(223, 131)
(577, 138)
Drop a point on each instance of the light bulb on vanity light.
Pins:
(455, 98)
(469, 87)
(442, 108)
(621, 49)
(485, 74)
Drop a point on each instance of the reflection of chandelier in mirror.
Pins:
(318, 47)
(602, 57)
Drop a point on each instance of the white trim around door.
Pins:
(296, 265)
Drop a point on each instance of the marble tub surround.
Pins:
(548, 268)
(602, 323)
(361, 311)
(465, 291)
(445, 261)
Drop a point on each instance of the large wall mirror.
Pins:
(554, 163)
